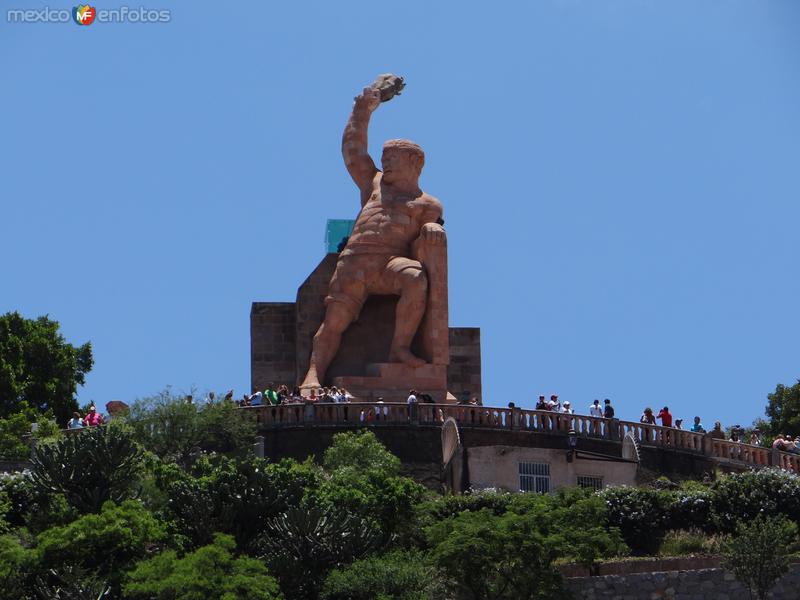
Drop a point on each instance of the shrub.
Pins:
(642, 516)
(395, 576)
(443, 507)
(758, 555)
(692, 541)
(495, 557)
(690, 510)
(742, 497)
(90, 467)
(107, 543)
(210, 572)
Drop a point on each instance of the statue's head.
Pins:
(402, 161)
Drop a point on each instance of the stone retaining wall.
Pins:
(701, 584)
(11, 466)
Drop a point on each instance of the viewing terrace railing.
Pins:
(517, 419)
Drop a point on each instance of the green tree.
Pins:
(106, 544)
(15, 568)
(210, 572)
(758, 555)
(574, 523)
(398, 575)
(38, 366)
(783, 410)
(30, 507)
(172, 429)
(362, 478)
(234, 496)
(90, 467)
(494, 557)
(361, 451)
(15, 431)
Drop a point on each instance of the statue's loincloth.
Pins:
(358, 276)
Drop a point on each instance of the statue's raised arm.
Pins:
(354, 141)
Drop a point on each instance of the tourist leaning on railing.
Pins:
(75, 422)
(92, 418)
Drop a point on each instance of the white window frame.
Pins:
(534, 477)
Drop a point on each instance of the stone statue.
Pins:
(397, 230)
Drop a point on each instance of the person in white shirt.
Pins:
(383, 411)
(567, 409)
(595, 410)
(412, 397)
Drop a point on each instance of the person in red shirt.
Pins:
(665, 416)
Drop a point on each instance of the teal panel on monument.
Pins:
(335, 231)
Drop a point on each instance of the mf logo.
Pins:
(84, 14)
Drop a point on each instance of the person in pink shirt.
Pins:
(92, 418)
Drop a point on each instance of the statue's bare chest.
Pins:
(391, 212)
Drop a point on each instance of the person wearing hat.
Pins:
(567, 409)
(92, 418)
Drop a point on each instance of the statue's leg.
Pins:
(412, 285)
(338, 317)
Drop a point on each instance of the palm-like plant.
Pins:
(301, 545)
(90, 467)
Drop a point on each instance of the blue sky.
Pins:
(620, 182)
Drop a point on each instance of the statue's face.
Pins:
(399, 165)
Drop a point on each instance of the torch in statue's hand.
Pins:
(388, 85)
(383, 89)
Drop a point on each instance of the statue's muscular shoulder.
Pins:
(430, 209)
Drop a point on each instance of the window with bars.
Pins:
(534, 477)
(592, 482)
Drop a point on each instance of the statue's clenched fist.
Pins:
(369, 98)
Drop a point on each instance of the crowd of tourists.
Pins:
(280, 395)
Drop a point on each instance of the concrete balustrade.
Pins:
(516, 419)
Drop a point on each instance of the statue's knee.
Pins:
(414, 279)
(337, 318)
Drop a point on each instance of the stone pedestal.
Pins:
(392, 382)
